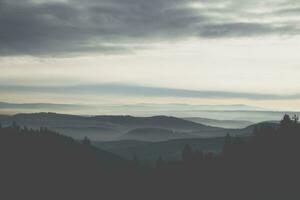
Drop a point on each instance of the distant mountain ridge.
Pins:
(235, 124)
(149, 151)
(141, 105)
(114, 127)
(235, 112)
(38, 105)
(108, 127)
(142, 109)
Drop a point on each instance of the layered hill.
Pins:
(107, 128)
(153, 134)
(231, 124)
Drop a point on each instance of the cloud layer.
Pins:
(112, 26)
(141, 91)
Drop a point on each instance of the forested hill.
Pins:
(103, 128)
(38, 161)
(46, 165)
(45, 147)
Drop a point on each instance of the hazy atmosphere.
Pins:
(127, 52)
(150, 99)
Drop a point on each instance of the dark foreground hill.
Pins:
(117, 127)
(36, 162)
(44, 145)
(45, 165)
(149, 152)
(149, 147)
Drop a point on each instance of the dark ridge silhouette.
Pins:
(264, 166)
(43, 164)
(170, 150)
(151, 121)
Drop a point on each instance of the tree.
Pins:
(159, 162)
(227, 144)
(25, 128)
(187, 153)
(256, 131)
(199, 155)
(15, 125)
(136, 161)
(227, 139)
(86, 141)
(295, 119)
(288, 126)
(286, 121)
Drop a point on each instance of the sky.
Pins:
(200, 52)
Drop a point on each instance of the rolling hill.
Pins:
(114, 127)
(153, 134)
(149, 152)
(111, 128)
(231, 124)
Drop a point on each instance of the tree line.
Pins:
(263, 166)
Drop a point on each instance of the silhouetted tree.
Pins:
(159, 162)
(199, 155)
(262, 166)
(25, 128)
(187, 153)
(86, 141)
(286, 122)
(15, 125)
(136, 161)
(227, 147)
(256, 131)
(295, 118)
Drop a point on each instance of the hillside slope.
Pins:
(110, 127)
(231, 124)
(149, 152)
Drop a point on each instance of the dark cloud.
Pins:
(78, 26)
(235, 30)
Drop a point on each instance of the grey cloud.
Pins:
(134, 90)
(235, 29)
(250, 29)
(289, 11)
(78, 26)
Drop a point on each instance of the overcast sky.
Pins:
(158, 51)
